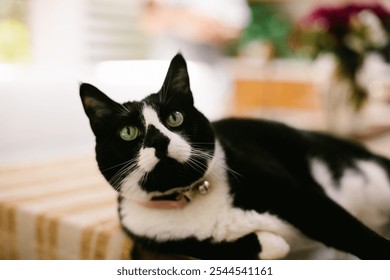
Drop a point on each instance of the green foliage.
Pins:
(268, 24)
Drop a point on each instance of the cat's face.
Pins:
(156, 145)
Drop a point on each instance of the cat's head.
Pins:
(153, 146)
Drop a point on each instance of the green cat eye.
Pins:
(129, 133)
(175, 119)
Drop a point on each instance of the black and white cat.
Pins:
(235, 188)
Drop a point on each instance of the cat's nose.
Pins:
(155, 139)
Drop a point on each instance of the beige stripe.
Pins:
(47, 225)
(40, 194)
(39, 244)
(126, 249)
(16, 169)
(29, 185)
(71, 229)
(36, 178)
(21, 188)
(115, 243)
(10, 208)
(50, 171)
(12, 194)
(40, 237)
(86, 243)
(25, 229)
(11, 230)
(53, 238)
(102, 239)
(54, 222)
(26, 180)
(78, 195)
(2, 233)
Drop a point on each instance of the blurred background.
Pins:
(314, 64)
(240, 57)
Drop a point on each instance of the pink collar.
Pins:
(201, 187)
(165, 204)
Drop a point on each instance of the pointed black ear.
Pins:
(177, 80)
(97, 105)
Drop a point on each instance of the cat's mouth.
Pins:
(170, 201)
(177, 199)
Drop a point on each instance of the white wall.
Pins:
(39, 120)
(56, 29)
(41, 115)
(40, 112)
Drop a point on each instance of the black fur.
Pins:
(272, 161)
(282, 171)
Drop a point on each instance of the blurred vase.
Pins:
(344, 102)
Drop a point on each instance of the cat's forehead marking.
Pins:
(178, 147)
(151, 117)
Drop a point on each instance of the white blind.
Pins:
(112, 31)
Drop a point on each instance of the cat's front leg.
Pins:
(265, 226)
(273, 246)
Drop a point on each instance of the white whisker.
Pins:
(207, 156)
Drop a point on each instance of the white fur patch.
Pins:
(178, 147)
(364, 193)
(273, 246)
(147, 159)
(130, 187)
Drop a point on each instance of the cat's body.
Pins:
(270, 189)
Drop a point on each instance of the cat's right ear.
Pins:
(177, 81)
(97, 105)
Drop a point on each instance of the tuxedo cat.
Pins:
(235, 188)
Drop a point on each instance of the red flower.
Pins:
(348, 32)
(334, 17)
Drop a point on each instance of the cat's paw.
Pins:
(273, 246)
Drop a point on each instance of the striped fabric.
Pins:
(59, 210)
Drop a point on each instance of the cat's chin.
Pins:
(174, 201)
(169, 176)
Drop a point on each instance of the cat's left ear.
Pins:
(177, 81)
(97, 105)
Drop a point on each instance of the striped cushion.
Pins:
(59, 210)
